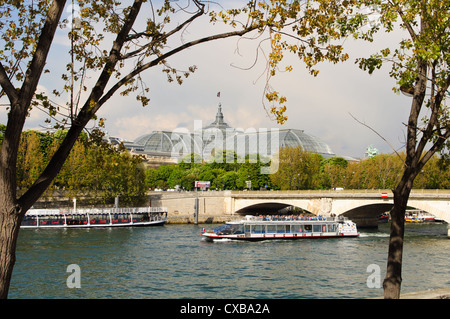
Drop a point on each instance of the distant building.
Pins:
(170, 146)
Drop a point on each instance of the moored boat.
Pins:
(418, 216)
(384, 218)
(266, 227)
(97, 217)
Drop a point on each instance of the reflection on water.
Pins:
(174, 262)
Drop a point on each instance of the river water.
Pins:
(173, 261)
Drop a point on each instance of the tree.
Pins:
(151, 177)
(32, 159)
(298, 169)
(420, 66)
(27, 32)
(74, 173)
(335, 168)
(434, 175)
(387, 170)
(229, 180)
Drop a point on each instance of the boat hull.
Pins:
(212, 236)
(144, 224)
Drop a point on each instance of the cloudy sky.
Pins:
(321, 106)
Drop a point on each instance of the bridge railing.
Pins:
(348, 191)
(212, 193)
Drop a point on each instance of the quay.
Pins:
(441, 293)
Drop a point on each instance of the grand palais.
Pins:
(162, 147)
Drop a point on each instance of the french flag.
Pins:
(218, 94)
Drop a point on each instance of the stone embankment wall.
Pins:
(212, 206)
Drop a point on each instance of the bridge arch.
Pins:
(270, 208)
(370, 210)
(253, 205)
(366, 215)
(359, 210)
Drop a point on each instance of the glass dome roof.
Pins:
(219, 135)
(268, 142)
(294, 138)
(166, 143)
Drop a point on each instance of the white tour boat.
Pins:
(97, 217)
(282, 227)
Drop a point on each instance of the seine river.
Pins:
(173, 261)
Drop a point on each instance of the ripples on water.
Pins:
(174, 262)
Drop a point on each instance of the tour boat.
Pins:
(97, 217)
(283, 227)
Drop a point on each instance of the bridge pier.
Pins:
(365, 222)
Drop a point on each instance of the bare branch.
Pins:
(436, 146)
(7, 86)
(373, 130)
(164, 36)
(161, 58)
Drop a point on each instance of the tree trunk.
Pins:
(9, 229)
(393, 280)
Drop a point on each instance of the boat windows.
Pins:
(99, 218)
(237, 229)
(271, 229)
(121, 218)
(307, 228)
(76, 219)
(51, 220)
(259, 229)
(140, 217)
(281, 229)
(317, 228)
(29, 221)
(332, 228)
(296, 228)
(230, 229)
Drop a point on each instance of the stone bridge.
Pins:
(362, 206)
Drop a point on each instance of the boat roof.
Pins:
(40, 212)
(84, 211)
(255, 220)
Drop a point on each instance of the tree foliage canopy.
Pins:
(94, 169)
(300, 170)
